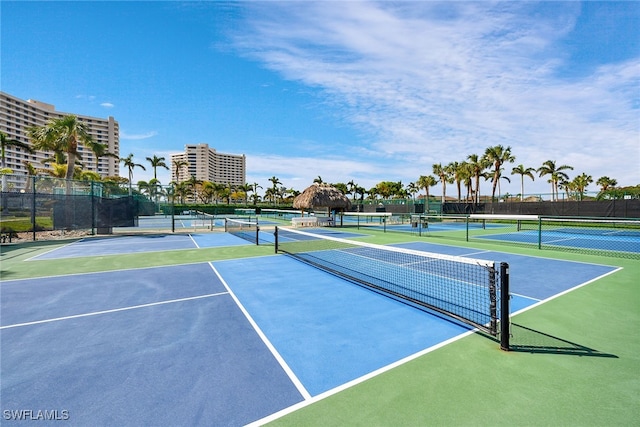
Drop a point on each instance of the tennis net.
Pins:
(470, 290)
(247, 230)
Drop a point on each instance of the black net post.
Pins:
(504, 306)
(540, 232)
(275, 234)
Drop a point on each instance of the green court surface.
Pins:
(576, 360)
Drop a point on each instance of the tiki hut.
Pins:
(321, 197)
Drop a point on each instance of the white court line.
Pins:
(565, 292)
(194, 241)
(292, 376)
(54, 249)
(356, 381)
(115, 310)
(308, 402)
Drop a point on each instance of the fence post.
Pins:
(93, 211)
(33, 207)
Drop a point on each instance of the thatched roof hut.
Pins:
(321, 196)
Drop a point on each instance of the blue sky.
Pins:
(363, 91)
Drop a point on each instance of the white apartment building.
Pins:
(16, 115)
(206, 164)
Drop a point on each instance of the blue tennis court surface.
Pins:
(222, 343)
(97, 246)
(567, 239)
(152, 346)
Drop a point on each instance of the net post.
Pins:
(540, 232)
(467, 226)
(504, 306)
(275, 234)
(226, 230)
(257, 235)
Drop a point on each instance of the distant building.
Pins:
(206, 164)
(16, 115)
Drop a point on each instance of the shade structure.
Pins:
(321, 196)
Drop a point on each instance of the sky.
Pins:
(343, 90)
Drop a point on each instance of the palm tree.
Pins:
(62, 135)
(99, 149)
(444, 176)
(274, 190)
(31, 172)
(412, 189)
(130, 164)
(5, 143)
(497, 156)
(426, 181)
(580, 183)
(453, 168)
(177, 167)
(522, 171)
(157, 162)
(465, 174)
(555, 175)
(246, 189)
(605, 182)
(255, 192)
(477, 165)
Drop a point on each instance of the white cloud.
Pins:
(138, 136)
(431, 83)
(107, 105)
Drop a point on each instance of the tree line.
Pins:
(62, 136)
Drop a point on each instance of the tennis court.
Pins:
(570, 238)
(208, 329)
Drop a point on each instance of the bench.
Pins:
(307, 221)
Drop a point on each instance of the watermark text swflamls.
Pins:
(35, 415)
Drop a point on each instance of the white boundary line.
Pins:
(566, 291)
(193, 240)
(115, 310)
(292, 376)
(11, 281)
(356, 381)
(54, 249)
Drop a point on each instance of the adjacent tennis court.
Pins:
(248, 339)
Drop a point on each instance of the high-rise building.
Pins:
(16, 115)
(206, 164)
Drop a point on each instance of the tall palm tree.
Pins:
(130, 165)
(426, 181)
(255, 192)
(522, 171)
(274, 189)
(177, 167)
(62, 135)
(556, 175)
(5, 143)
(157, 162)
(453, 169)
(477, 164)
(412, 189)
(497, 156)
(465, 175)
(444, 176)
(581, 182)
(99, 149)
